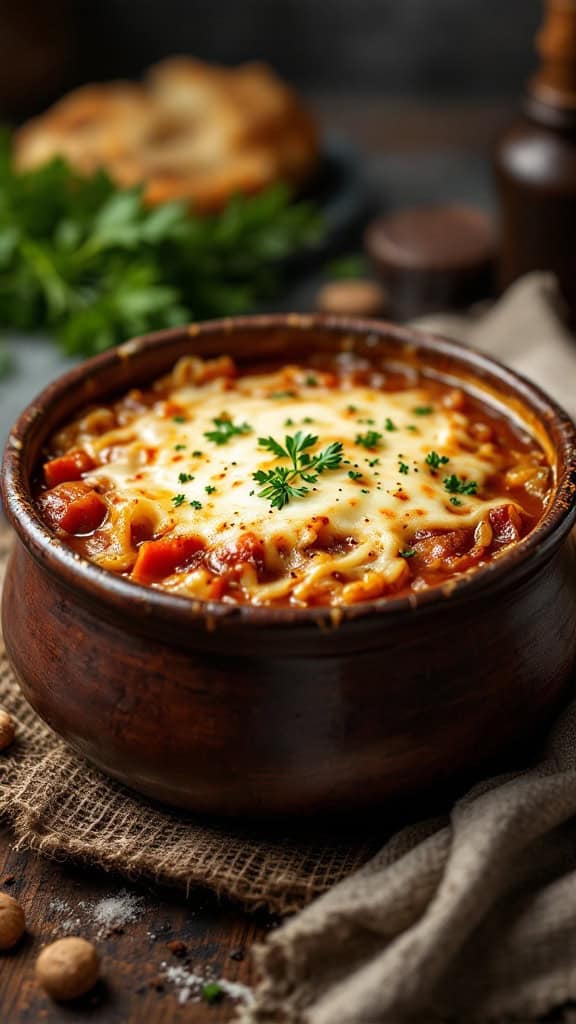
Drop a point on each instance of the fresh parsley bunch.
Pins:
(91, 264)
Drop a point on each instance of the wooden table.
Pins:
(217, 938)
(398, 138)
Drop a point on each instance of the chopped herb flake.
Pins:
(212, 992)
(185, 478)
(408, 553)
(197, 454)
(225, 429)
(179, 447)
(371, 439)
(179, 419)
(196, 504)
(311, 381)
(178, 500)
(403, 467)
(423, 410)
(455, 501)
(353, 475)
(389, 425)
(457, 485)
(209, 489)
(434, 460)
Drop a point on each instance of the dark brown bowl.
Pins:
(255, 711)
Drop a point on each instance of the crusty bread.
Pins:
(191, 131)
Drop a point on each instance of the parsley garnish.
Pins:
(209, 489)
(364, 490)
(289, 422)
(408, 553)
(434, 460)
(178, 500)
(353, 475)
(92, 263)
(455, 501)
(457, 485)
(412, 427)
(225, 429)
(371, 439)
(185, 478)
(351, 408)
(179, 419)
(373, 462)
(389, 425)
(196, 504)
(423, 410)
(179, 447)
(403, 467)
(311, 381)
(282, 394)
(279, 483)
(197, 454)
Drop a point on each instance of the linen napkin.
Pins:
(470, 917)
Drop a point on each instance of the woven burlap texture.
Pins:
(57, 804)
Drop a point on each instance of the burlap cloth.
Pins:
(468, 917)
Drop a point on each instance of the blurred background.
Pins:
(419, 50)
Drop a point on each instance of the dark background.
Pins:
(429, 50)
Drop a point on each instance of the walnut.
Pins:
(12, 921)
(68, 968)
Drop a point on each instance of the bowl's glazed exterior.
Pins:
(254, 711)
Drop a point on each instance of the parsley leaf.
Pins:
(279, 483)
(185, 478)
(178, 500)
(371, 439)
(389, 425)
(353, 475)
(408, 553)
(403, 467)
(434, 460)
(225, 429)
(423, 410)
(457, 485)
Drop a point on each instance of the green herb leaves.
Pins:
(283, 483)
(371, 439)
(225, 429)
(434, 460)
(457, 485)
(94, 265)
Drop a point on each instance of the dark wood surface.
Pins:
(133, 988)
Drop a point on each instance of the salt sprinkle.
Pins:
(190, 985)
(111, 912)
(118, 910)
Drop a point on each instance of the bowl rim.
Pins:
(133, 599)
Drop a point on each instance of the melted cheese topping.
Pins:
(406, 466)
